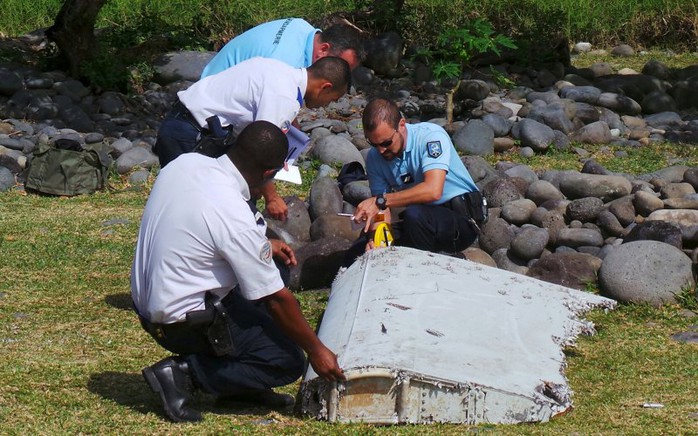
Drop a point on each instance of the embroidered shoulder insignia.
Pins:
(434, 149)
(265, 252)
(285, 126)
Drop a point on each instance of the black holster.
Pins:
(215, 140)
(215, 319)
(471, 205)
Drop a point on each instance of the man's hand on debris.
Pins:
(286, 311)
(325, 364)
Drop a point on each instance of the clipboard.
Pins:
(297, 143)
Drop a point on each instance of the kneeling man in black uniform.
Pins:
(206, 287)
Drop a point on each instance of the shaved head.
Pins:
(260, 147)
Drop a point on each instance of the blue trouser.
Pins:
(177, 135)
(425, 227)
(435, 228)
(263, 356)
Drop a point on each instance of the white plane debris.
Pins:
(424, 338)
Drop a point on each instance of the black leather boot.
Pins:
(171, 379)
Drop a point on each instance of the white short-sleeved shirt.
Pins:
(256, 89)
(198, 234)
(289, 40)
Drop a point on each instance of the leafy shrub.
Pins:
(476, 37)
(455, 47)
(124, 60)
(444, 69)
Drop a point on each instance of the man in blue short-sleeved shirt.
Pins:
(291, 40)
(416, 167)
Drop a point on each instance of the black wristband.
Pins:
(381, 202)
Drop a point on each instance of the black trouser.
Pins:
(425, 227)
(263, 356)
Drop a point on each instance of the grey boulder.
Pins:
(318, 263)
(335, 149)
(574, 270)
(645, 272)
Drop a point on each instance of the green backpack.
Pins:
(68, 168)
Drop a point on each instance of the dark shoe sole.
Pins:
(155, 386)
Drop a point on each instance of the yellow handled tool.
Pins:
(382, 237)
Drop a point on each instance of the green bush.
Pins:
(455, 48)
(638, 22)
(131, 31)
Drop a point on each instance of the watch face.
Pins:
(380, 202)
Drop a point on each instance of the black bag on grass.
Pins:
(68, 168)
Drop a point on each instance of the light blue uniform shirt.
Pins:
(289, 40)
(428, 148)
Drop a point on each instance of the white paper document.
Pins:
(293, 175)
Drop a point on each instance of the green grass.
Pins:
(638, 61)
(632, 160)
(72, 349)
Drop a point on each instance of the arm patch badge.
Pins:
(265, 252)
(434, 149)
(285, 126)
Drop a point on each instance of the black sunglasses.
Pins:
(384, 144)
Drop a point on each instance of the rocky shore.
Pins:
(635, 236)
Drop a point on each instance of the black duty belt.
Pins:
(457, 204)
(162, 331)
(211, 322)
(179, 110)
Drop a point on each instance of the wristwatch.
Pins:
(381, 202)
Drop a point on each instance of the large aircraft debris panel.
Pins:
(427, 338)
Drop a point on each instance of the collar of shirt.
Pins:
(309, 43)
(230, 168)
(303, 83)
(409, 146)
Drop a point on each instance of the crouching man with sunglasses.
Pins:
(416, 167)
